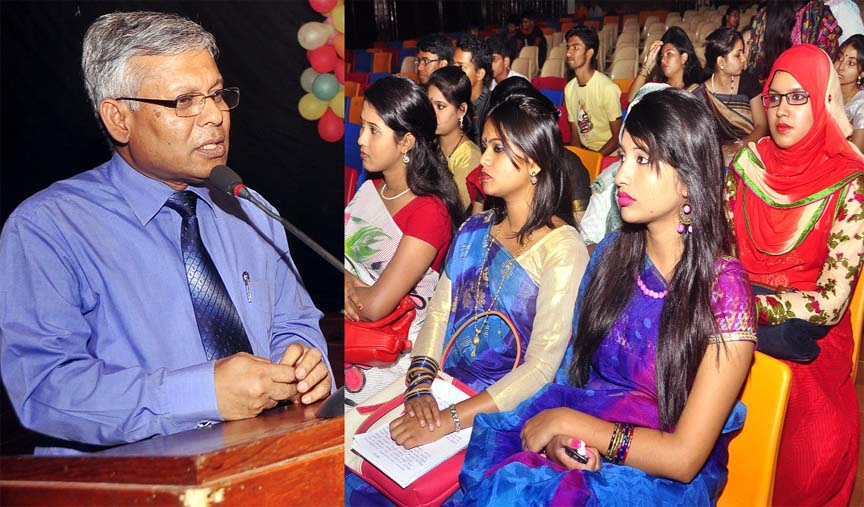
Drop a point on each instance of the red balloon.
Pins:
(331, 128)
(323, 6)
(322, 59)
(339, 70)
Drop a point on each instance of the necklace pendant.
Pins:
(475, 342)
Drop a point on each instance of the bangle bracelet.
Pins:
(455, 417)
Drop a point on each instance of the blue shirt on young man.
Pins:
(98, 339)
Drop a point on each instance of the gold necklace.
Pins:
(483, 274)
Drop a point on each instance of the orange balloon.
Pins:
(339, 44)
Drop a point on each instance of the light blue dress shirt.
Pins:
(98, 339)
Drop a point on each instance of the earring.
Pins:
(405, 158)
(859, 82)
(684, 218)
(460, 123)
(534, 178)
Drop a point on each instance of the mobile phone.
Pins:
(579, 454)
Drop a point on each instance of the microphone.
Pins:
(225, 179)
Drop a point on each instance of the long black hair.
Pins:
(404, 107)
(779, 21)
(676, 36)
(675, 128)
(452, 82)
(720, 43)
(529, 122)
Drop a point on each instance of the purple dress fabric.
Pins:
(621, 388)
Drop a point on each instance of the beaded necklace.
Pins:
(483, 274)
(648, 292)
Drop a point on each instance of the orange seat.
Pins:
(592, 160)
(381, 61)
(753, 451)
(354, 109)
(856, 312)
(352, 88)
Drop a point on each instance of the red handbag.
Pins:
(380, 342)
(439, 484)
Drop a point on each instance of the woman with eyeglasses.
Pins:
(450, 92)
(794, 201)
(849, 63)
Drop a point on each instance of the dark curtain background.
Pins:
(49, 131)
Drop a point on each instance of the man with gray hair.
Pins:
(134, 302)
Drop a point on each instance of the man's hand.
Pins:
(246, 385)
(313, 379)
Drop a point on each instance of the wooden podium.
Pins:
(283, 457)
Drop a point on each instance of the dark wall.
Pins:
(49, 132)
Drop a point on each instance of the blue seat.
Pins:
(375, 76)
(556, 96)
(362, 61)
(352, 149)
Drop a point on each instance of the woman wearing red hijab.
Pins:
(794, 201)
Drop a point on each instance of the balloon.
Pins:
(339, 44)
(325, 86)
(339, 70)
(331, 128)
(307, 78)
(337, 103)
(322, 59)
(313, 35)
(310, 107)
(338, 15)
(322, 6)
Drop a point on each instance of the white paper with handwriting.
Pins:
(405, 466)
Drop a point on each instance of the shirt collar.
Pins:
(145, 195)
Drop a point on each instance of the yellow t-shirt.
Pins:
(592, 107)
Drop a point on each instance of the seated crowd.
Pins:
(618, 311)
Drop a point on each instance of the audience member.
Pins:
(602, 216)
(677, 59)
(531, 35)
(398, 227)
(107, 328)
(519, 258)
(663, 343)
(593, 101)
(733, 95)
(794, 201)
(747, 37)
(732, 17)
(777, 26)
(433, 52)
(450, 92)
(473, 58)
(502, 56)
(849, 64)
(848, 15)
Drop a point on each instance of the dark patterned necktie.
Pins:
(219, 324)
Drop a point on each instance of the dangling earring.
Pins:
(460, 123)
(534, 178)
(859, 82)
(684, 218)
(405, 158)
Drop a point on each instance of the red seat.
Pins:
(549, 83)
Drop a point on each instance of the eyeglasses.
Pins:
(798, 98)
(425, 61)
(191, 104)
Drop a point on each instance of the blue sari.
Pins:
(484, 275)
(621, 387)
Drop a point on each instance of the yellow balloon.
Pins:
(337, 103)
(311, 107)
(337, 15)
